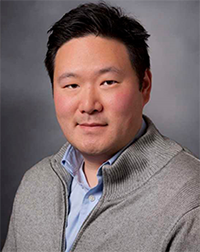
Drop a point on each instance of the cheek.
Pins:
(63, 105)
(124, 103)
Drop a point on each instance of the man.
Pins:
(117, 184)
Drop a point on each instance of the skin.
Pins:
(97, 98)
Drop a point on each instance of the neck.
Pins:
(91, 165)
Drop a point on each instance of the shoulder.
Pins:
(40, 171)
(180, 182)
(188, 157)
(39, 178)
(44, 176)
(181, 175)
(185, 167)
(178, 178)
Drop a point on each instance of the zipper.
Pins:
(90, 217)
(65, 206)
(64, 224)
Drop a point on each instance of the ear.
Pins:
(146, 86)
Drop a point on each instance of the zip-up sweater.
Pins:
(150, 203)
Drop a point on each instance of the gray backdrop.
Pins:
(29, 127)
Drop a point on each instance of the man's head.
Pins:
(104, 21)
(96, 73)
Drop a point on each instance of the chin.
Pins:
(91, 151)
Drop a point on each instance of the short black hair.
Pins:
(105, 21)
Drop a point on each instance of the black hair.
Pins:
(105, 21)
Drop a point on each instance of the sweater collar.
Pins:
(139, 162)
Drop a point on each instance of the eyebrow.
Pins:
(108, 70)
(99, 72)
(67, 75)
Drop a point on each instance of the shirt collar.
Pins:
(73, 160)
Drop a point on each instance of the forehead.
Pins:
(92, 51)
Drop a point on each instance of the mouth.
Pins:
(92, 125)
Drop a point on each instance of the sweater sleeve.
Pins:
(185, 235)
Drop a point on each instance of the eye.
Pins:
(109, 82)
(71, 86)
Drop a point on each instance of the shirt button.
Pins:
(91, 198)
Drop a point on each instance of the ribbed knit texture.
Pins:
(150, 203)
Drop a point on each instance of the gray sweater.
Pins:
(150, 203)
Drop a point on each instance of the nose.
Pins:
(90, 101)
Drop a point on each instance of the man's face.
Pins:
(97, 98)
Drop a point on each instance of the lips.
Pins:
(94, 124)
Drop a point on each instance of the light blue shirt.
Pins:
(82, 198)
